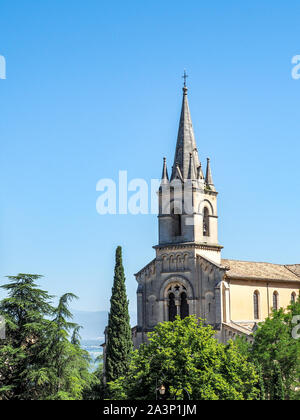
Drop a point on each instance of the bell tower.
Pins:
(188, 199)
(185, 276)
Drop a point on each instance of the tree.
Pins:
(67, 363)
(119, 339)
(97, 389)
(245, 348)
(277, 384)
(59, 337)
(25, 311)
(261, 385)
(75, 339)
(37, 361)
(185, 357)
(273, 341)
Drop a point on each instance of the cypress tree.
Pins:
(119, 341)
(277, 384)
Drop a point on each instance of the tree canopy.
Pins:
(185, 357)
(37, 360)
(276, 353)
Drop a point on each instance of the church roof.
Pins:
(261, 271)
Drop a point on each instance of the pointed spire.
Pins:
(208, 179)
(186, 143)
(165, 176)
(192, 172)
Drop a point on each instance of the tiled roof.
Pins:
(260, 270)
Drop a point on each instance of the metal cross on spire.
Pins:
(185, 76)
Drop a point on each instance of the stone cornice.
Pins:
(189, 245)
(264, 279)
(210, 192)
(162, 215)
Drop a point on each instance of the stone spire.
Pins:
(192, 174)
(165, 176)
(208, 179)
(186, 143)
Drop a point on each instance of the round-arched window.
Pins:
(293, 297)
(275, 301)
(176, 294)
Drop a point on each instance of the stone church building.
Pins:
(188, 275)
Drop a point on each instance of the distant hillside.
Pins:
(94, 323)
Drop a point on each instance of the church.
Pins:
(188, 275)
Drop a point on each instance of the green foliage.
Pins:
(185, 357)
(97, 389)
(119, 340)
(75, 339)
(277, 384)
(261, 385)
(37, 361)
(274, 344)
(244, 346)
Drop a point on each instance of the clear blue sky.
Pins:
(94, 87)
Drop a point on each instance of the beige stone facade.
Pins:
(274, 285)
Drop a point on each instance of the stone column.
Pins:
(219, 304)
(177, 303)
(140, 319)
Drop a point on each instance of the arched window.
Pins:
(205, 222)
(275, 301)
(256, 304)
(172, 307)
(176, 222)
(293, 297)
(184, 306)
